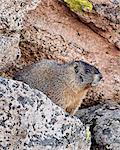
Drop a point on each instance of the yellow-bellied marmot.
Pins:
(65, 84)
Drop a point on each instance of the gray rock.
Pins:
(9, 50)
(108, 9)
(12, 13)
(105, 124)
(29, 120)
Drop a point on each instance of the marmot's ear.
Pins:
(75, 65)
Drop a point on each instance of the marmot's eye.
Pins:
(81, 79)
(87, 70)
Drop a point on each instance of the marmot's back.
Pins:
(65, 84)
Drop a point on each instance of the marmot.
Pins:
(65, 84)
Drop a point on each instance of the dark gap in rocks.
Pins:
(84, 105)
(93, 142)
(104, 4)
(94, 145)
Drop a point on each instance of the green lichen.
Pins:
(88, 133)
(2, 74)
(79, 5)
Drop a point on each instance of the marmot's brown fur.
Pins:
(65, 84)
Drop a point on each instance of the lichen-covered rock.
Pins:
(9, 50)
(29, 120)
(105, 125)
(104, 19)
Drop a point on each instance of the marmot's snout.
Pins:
(97, 76)
(96, 79)
(89, 69)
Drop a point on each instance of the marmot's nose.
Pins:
(100, 76)
(96, 79)
(97, 72)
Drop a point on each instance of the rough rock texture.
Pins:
(104, 19)
(48, 29)
(52, 31)
(105, 125)
(29, 120)
(12, 14)
(9, 50)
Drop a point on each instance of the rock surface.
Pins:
(105, 125)
(9, 50)
(104, 19)
(12, 14)
(29, 120)
(50, 30)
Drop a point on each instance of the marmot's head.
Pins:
(86, 74)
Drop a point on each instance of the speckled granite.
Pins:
(105, 125)
(9, 50)
(30, 121)
(12, 13)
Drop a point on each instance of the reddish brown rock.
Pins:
(52, 31)
(104, 19)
